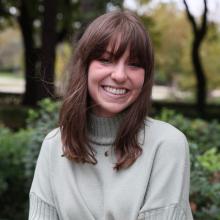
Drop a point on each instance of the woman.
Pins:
(108, 160)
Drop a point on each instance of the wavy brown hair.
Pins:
(105, 30)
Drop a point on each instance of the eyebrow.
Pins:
(108, 52)
(133, 59)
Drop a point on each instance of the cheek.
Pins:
(138, 80)
(94, 73)
(94, 78)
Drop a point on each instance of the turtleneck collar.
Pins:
(103, 130)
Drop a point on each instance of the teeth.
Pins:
(114, 90)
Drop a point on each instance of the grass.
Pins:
(11, 75)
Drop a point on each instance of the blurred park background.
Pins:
(37, 38)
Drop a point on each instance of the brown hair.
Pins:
(105, 30)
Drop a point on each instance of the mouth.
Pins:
(115, 91)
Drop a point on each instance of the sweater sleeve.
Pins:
(41, 197)
(40, 209)
(167, 194)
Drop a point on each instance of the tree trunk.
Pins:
(201, 80)
(30, 57)
(46, 85)
(199, 35)
(39, 63)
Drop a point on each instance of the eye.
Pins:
(104, 60)
(134, 64)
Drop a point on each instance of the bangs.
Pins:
(117, 38)
(128, 39)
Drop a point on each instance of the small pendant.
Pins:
(106, 153)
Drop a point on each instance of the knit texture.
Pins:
(40, 209)
(102, 131)
(173, 212)
(155, 187)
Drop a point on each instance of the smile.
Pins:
(115, 91)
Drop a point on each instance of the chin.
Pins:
(109, 112)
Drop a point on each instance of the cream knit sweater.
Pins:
(155, 187)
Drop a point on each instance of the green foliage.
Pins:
(13, 188)
(172, 43)
(210, 56)
(13, 118)
(41, 121)
(18, 155)
(204, 146)
(19, 151)
(210, 160)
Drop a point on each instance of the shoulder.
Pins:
(164, 137)
(53, 135)
(161, 131)
(164, 129)
(52, 142)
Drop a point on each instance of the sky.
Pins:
(196, 7)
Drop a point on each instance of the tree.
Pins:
(199, 33)
(210, 55)
(48, 48)
(43, 25)
(170, 43)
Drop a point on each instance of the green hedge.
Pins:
(18, 154)
(13, 180)
(204, 143)
(19, 151)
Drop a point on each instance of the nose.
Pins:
(119, 73)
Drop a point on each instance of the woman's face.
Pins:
(114, 85)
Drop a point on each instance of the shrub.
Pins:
(41, 121)
(19, 152)
(13, 189)
(203, 138)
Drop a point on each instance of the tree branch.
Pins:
(190, 16)
(203, 29)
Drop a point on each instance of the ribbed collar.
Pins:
(103, 130)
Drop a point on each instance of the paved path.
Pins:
(11, 85)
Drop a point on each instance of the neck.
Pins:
(103, 130)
